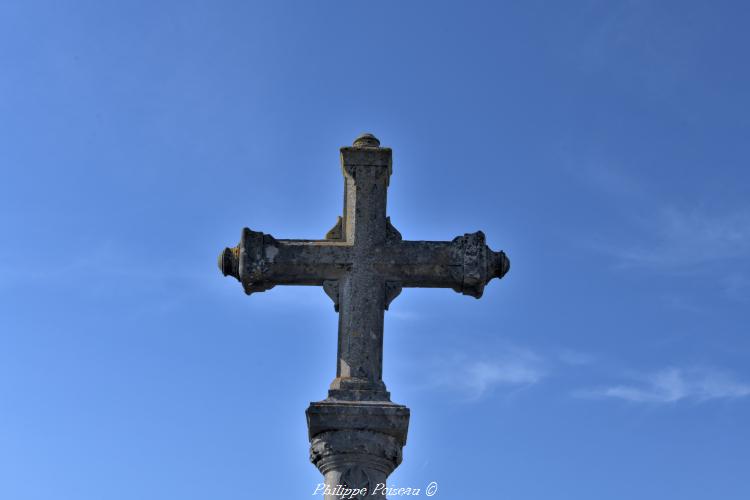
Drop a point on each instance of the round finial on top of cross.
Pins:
(366, 141)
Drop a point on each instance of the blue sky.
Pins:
(602, 145)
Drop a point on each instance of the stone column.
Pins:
(356, 445)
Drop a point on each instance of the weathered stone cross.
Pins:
(362, 264)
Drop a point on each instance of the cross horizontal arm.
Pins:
(465, 264)
(261, 262)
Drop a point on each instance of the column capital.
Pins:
(356, 444)
(347, 449)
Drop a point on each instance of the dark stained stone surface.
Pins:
(363, 264)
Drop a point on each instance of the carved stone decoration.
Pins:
(392, 290)
(356, 477)
(331, 287)
(337, 231)
(366, 141)
(355, 443)
(374, 450)
(391, 233)
(229, 262)
(474, 264)
(250, 261)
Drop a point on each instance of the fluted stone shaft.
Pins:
(355, 459)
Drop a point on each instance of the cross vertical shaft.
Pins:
(366, 168)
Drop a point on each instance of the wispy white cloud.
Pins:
(683, 238)
(480, 376)
(477, 377)
(405, 315)
(654, 234)
(671, 385)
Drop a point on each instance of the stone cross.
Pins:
(362, 264)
